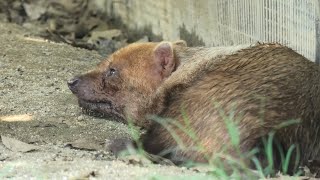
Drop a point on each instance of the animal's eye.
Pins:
(111, 72)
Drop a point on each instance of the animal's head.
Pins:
(122, 85)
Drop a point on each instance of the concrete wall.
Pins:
(225, 22)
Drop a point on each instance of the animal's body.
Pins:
(260, 87)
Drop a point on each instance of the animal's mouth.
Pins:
(103, 109)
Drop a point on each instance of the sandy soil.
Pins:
(41, 111)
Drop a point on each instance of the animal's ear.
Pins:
(182, 43)
(164, 59)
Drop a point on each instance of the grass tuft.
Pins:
(222, 165)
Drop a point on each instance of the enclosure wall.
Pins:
(294, 23)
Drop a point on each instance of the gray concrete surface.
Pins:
(220, 22)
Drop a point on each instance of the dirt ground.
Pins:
(37, 108)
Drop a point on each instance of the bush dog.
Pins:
(257, 87)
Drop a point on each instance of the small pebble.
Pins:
(80, 118)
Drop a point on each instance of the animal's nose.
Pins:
(73, 84)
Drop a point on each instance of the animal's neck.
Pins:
(192, 63)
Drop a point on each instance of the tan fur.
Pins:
(264, 85)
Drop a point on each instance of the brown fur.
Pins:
(264, 85)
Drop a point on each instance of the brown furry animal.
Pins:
(258, 88)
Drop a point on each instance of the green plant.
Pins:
(135, 133)
(222, 165)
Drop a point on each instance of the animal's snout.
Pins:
(73, 84)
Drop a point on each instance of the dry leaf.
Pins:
(108, 34)
(17, 146)
(34, 10)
